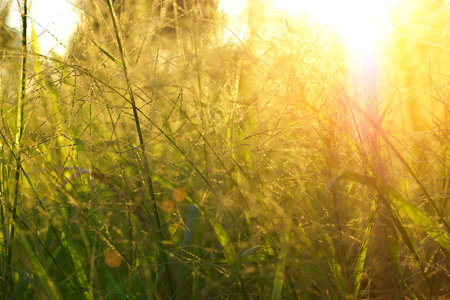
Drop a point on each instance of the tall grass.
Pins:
(10, 240)
(165, 158)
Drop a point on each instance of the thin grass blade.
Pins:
(107, 53)
(280, 268)
(224, 239)
(191, 217)
(68, 244)
(433, 229)
(38, 269)
(361, 258)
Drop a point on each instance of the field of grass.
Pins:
(165, 158)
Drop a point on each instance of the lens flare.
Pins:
(361, 22)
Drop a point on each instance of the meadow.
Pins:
(167, 157)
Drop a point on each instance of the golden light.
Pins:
(361, 22)
(55, 22)
(232, 7)
(236, 23)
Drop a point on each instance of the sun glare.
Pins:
(361, 22)
(54, 22)
(236, 23)
(232, 7)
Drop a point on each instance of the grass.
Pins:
(161, 159)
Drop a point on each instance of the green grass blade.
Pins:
(107, 53)
(395, 203)
(395, 259)
(67, 243)
(191, 217)
(433, 229)
(114, 286)
(20, 124)
(336, 269)
(36, 49)
(145, 175)
(37, 268)
(229, 250)
(361, 258)
(280, 268)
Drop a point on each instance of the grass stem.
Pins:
(18, 141)
(146, 178)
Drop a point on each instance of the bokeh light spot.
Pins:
(168, 206)
(179, 194)
(113, 259)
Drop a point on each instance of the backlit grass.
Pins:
(166, 158)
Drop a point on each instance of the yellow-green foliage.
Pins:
(205, 165)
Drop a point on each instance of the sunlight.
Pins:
(363, 26)
(232, 7)
(236, 23)
(361, 22)
(55, 22)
